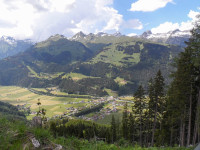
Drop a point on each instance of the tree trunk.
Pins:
(181, 132)
(189, 119)
(171, 136)
(183, 135)
(154, 124)
(140, 128)
(196, 120)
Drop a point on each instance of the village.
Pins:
(110, 105)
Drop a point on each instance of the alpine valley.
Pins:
(93, 64)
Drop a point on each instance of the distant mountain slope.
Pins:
(56, 54)
(9, 46)
(117, 63)
(57, 49)
(134, 62)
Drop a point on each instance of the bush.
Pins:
(43, 135)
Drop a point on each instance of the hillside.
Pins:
(89, 68)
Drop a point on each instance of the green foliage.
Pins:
(12, 133)
(183, 101)
(43, 135)
(10, 111)
(125, 122)
(113, 129)
(90, 110)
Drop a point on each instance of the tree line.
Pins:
(139, 125)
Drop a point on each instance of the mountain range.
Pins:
(93, 64)
(175, 37)
(9, 46)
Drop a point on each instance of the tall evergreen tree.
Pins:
(156, 100)
(184, 93)
(139, 106)
(131, 127)
(125, 122)
(113, 129)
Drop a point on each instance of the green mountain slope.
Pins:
(76, 68)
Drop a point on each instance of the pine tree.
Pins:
(113, 129)
(139, 106)
(183, 101)
(156, 100)
(125, 122)
(131, 127)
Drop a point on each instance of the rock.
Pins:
(37, 121)
(58, 147)
(35, 142)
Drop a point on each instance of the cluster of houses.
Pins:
(112, 106)
(112, 102)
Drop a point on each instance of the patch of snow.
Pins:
(8, 40)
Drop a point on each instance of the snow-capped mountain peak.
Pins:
(176, 37)
(117, 34)
(8, 39)
(101, 34)
(78, 35)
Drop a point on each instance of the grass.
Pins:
(110, 92)
(54, 105)
(15, 135)
(74, 143)
(76, 76)
(42, 75)
(111, 55)
(120, 81)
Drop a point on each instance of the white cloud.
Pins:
(193, 15)
(165, 27)
(133, 24)
(40, 19)
(149, 5)
(169, 26)
(131, 34)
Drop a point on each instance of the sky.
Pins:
(39, 19)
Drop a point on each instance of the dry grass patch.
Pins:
(55, 108)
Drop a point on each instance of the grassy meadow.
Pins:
(58, 105)
(22, 96)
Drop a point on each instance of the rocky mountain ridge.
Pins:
(175, 37)
(10, 46)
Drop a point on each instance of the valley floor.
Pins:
(57, 104)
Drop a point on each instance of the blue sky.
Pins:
(175, 11)
(39, 19)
